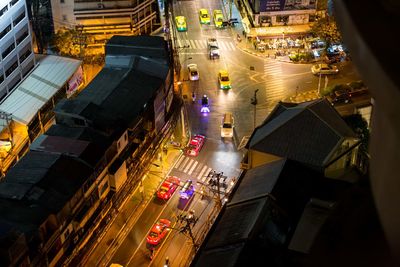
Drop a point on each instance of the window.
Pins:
(25, 55)
(19, 18)
(5, 31)
(64, 17)
(3, 10)
(1, 79)
(13, 2)
(12, 68)
(8, 50)
(22, 37)
(62, 1)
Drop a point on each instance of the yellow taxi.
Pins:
(224, 80)
(181, 25)
(204, 16)
(218, 18)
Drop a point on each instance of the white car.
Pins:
(193, 72)
(324, 69)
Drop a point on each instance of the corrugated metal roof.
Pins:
(39, 87)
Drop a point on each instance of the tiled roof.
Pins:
(307, 132)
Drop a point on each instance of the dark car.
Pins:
(339, 97)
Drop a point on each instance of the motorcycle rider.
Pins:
(193, 97)
(204, 100)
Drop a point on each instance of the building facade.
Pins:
(17, 58)
(267, 13)
(100, 20)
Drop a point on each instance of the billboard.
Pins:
(75, 81)
(284, 5)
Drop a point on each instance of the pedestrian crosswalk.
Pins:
(202, 44)
(193, 168)
(275, 84)
(200, 174)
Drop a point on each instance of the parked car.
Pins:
(168, 187)
(187, 190)
(158, 232)
(193, 72)
(324, 69)
(195, 145)
(339, 97)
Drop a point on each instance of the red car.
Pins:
(195, 145)
(168, 187)
(158, 232)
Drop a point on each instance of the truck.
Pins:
(213, 49)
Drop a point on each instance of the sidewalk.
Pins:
(303, 97)
(131, 210)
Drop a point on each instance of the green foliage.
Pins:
(356, 85)
(65, 43)
(332, 88)
(302, 56)
(360, 126)
(326, 29)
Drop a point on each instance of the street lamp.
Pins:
(254, 103)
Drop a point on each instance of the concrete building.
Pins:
(104, 140)
(301, 200)
(103, 19)
(17, 58)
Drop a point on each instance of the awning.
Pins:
(279, 31)
(38, 88)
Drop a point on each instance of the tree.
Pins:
(360, 126)
(326, 29)
(39, 12)
(65, 44)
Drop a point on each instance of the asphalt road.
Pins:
(275, 81)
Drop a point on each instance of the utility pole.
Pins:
(254, 103)
(190, 220)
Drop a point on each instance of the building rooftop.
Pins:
(306, 132)
(39, 185)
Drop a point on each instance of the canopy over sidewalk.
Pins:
(38, 88)
(279, 31)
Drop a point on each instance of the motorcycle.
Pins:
(193, 97)
(239, 39)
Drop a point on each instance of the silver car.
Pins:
(193, 72)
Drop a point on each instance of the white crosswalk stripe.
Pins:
(191, 161)
(275, 86)
(202, 44)
(205, 176)
(191, 166)
(200, 176)
(183, 163)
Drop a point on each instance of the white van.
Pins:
(227, 125)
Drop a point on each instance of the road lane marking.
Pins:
(206, 176)
(183, 163)
(194, 166)
(179, 162)
(201, 173)
(188, 165)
